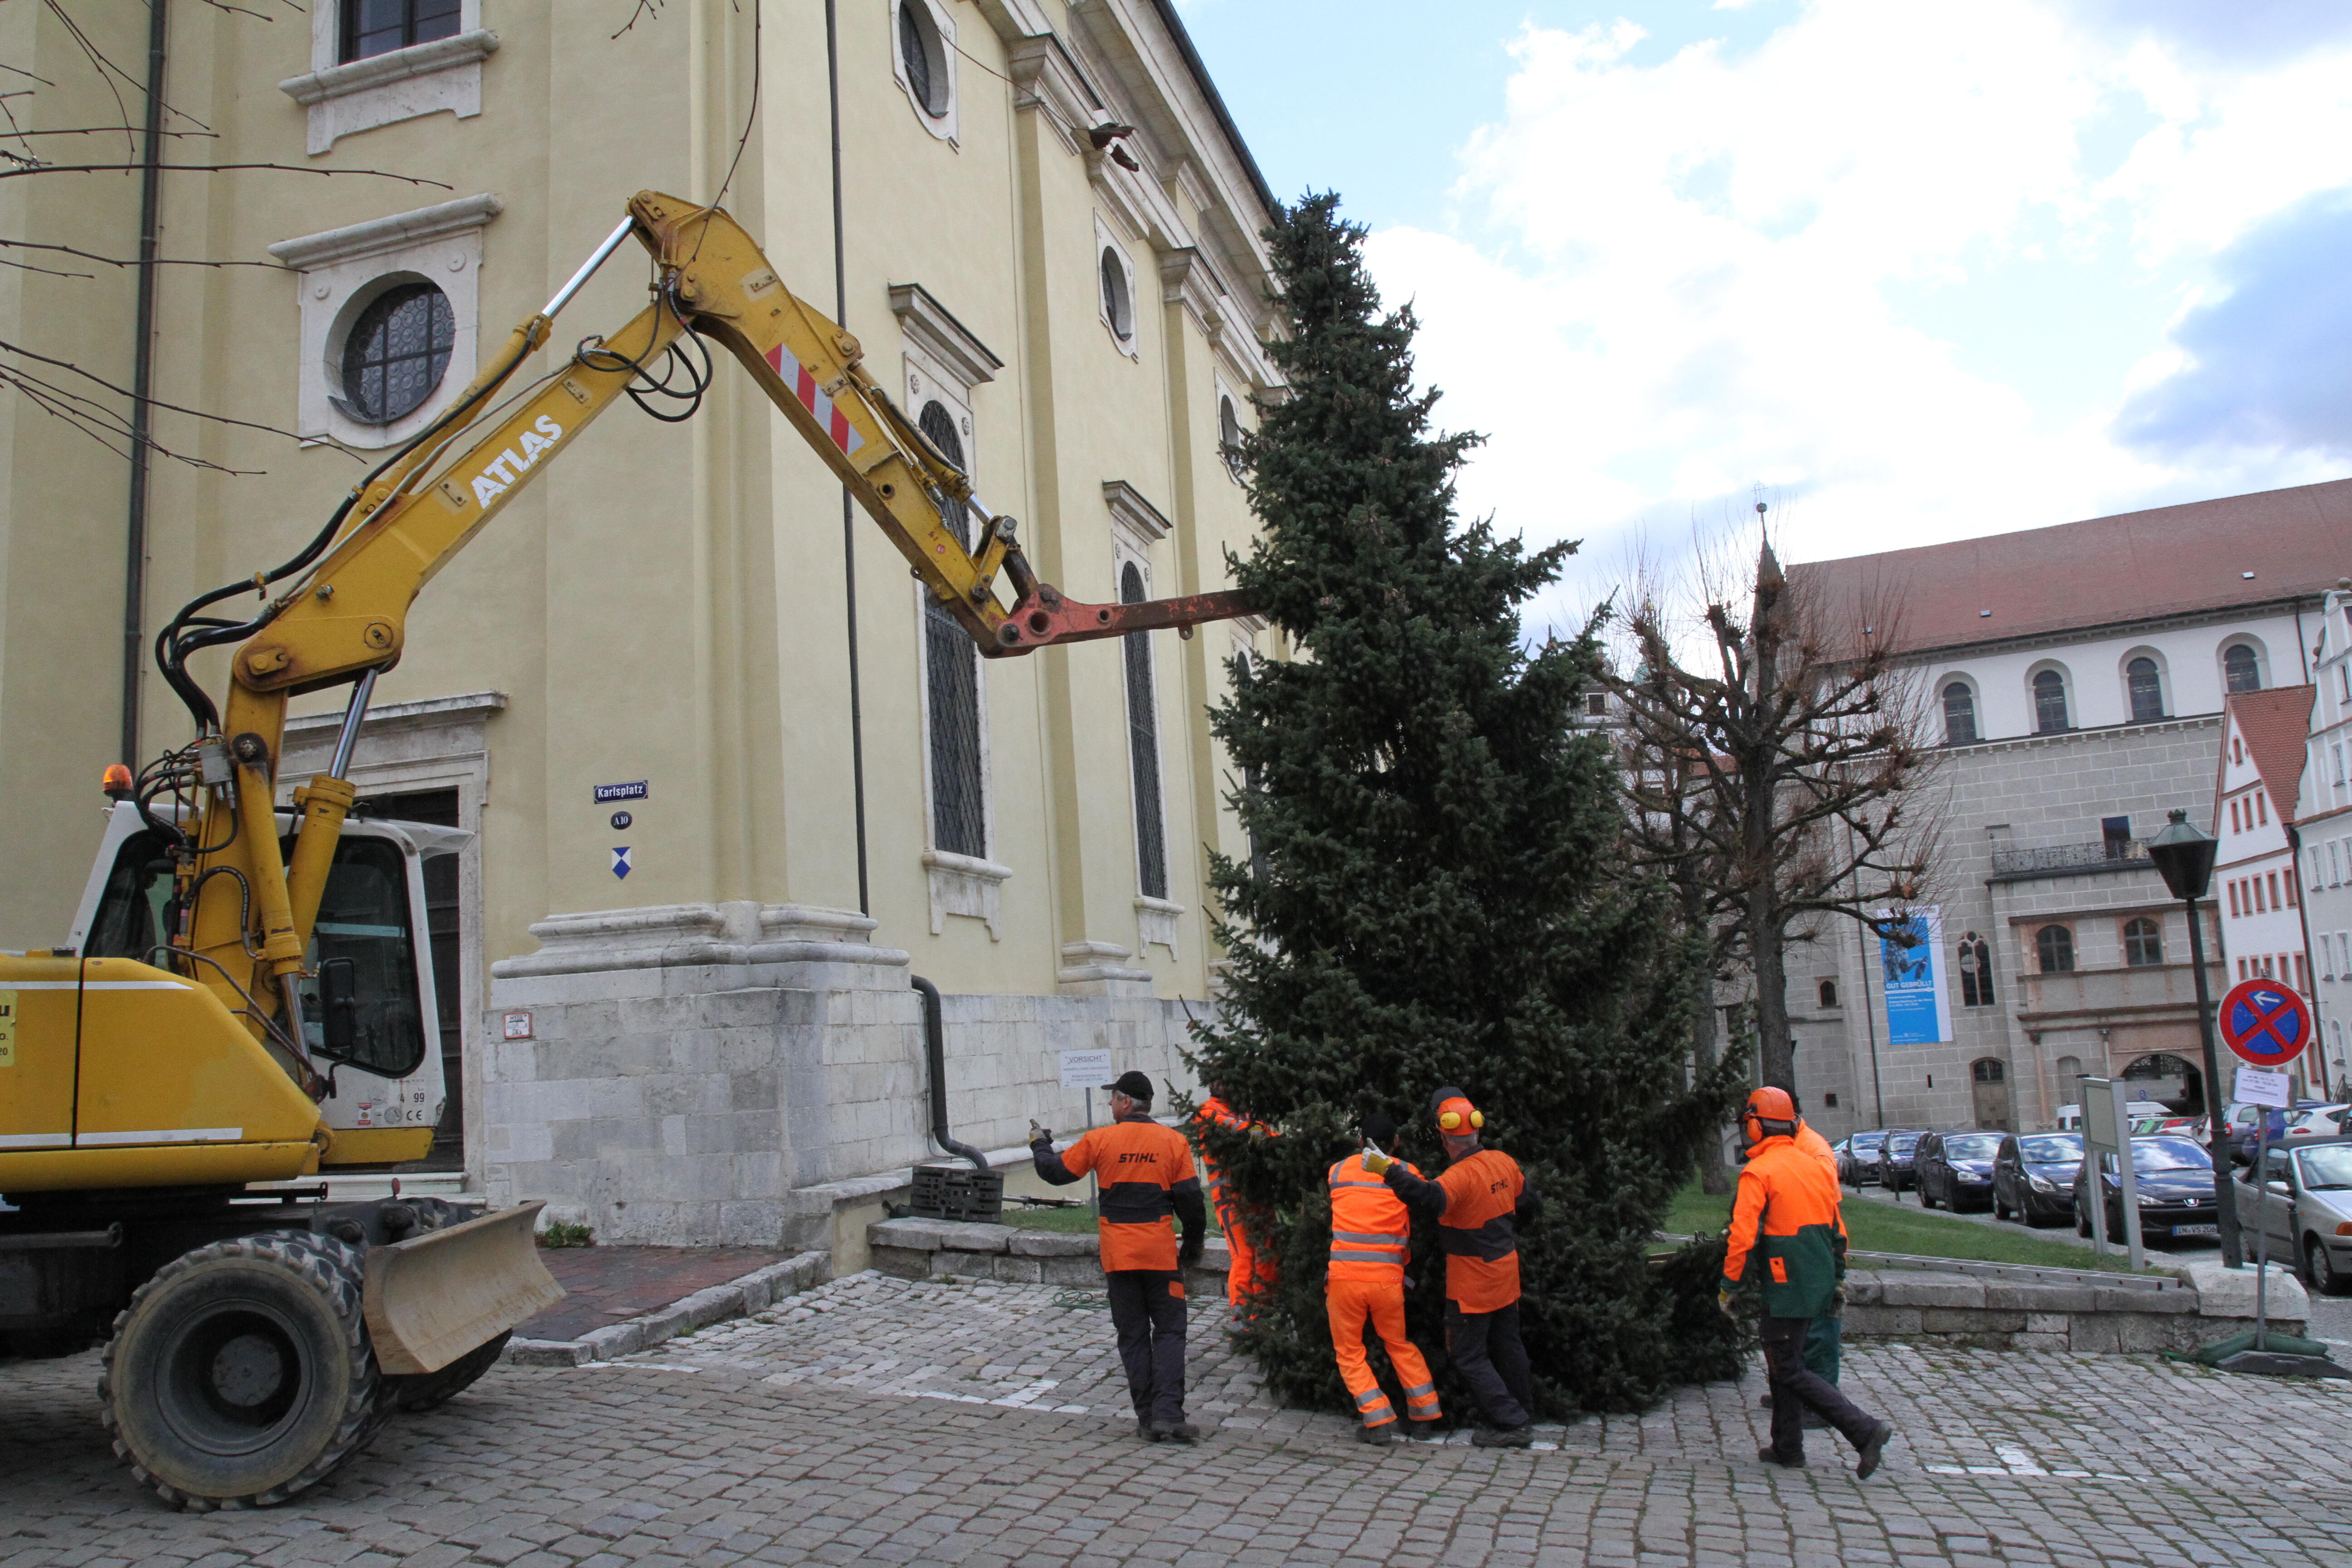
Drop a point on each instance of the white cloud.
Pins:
(1681, 277)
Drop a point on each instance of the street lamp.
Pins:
(2184, 857)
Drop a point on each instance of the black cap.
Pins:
(1132, 1084)
(1379, 1127)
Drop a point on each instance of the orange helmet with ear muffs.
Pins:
(1456, 1116)
(1769, 1113)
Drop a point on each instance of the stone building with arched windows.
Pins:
(2075, 678)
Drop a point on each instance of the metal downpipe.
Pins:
(935, 1054)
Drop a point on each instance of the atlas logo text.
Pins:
(508, 467)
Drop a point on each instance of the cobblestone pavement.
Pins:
(880, 1421)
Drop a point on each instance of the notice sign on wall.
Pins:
(1918, 1005)
(1084, 1069)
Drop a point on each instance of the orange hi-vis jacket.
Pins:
(1372, 1233)
(1146, 1176)
(1787, 1215)
(1813, 1143)
(1477, 1200)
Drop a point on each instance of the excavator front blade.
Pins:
(431, 1298)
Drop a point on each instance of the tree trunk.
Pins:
(1714, 1176)
(1776, 1048)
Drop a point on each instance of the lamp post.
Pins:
(2183, 854)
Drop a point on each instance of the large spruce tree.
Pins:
(1440, 892)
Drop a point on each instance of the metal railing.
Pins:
(2057, 859)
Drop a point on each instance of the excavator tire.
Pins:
(432, 1390)
(240, 1375)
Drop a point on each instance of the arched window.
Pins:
(1119, 303)
(1229, 434)
(2049, 703)
(1976, 971)
(1959, 714)
(1828, 990)
(2147, 687)
(2143, 944)
(1988, 1069)
(2054, 946)
(951, 675)
(1143, 748)
(2241, 668)
(397, 352)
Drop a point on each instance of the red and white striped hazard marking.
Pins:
(836, 423)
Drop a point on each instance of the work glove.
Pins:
(1190, 1253)
(1376, 1164)
(1837, 1300)
(1039, 1134)
(1723, 1303)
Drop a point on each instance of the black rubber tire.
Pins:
(425, 1391)
(276, 1311)
(2000, 1210)
(2320, 1274)
(1926, 1200)
(2082, 1221)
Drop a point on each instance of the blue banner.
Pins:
(1918, 1010)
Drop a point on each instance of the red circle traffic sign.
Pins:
(2266, 1023)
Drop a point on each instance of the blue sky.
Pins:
(1908, 272)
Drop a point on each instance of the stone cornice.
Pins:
(1187, 278)
(390, 233)
(427, 714)
(1130, 511)
(1046, 76)
(933, 328)
(376, 70)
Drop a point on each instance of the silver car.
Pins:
(2304, 1202)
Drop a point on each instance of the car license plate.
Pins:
(2196, 1230)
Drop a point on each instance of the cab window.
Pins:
(131, 920)
(364, 916)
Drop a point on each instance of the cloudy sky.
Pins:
(1917, 272)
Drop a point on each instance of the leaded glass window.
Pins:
(2147, 689)
(397, 352)
(1959, 714)
(1143, 748)
(2240, 668)
(951, 670)
(2049, 703)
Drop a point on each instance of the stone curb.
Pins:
(955, 1249)
(754, 1292)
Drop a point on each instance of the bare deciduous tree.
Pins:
(1775, 774)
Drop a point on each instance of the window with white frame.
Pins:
(2242, 667)
(923, 58)
(379, 62)
(1229, 429)
(1114, 290)
(1959, 713)
(2050, 706)
(388, 321)
(952, 679)
(2144, 688)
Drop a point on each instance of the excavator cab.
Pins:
(366, 971)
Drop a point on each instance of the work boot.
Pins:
(1503, 1436)
(1771, 1456)
(1766, 1402)
(1872, 1447)
(1430, 1431)
(1144, 1429)
(1174, 1431)
(1378, 1436)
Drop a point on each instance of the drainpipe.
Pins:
(848, 511)
(934, 1053)
(2318, 1048)
(143, 375)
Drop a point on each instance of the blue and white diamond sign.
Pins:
(621, 866)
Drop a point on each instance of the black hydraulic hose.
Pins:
(934, 1053)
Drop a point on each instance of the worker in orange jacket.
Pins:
(1372, 1237)
(1821, 1349)
(1478, 1203)
(1785, 1220)
(1146, 1178)
(1251, 1270)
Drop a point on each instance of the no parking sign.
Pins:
(2266, 1023)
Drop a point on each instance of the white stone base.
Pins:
(748, 1075)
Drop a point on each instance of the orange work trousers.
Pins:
(1252, 1270)
(1349, 1302)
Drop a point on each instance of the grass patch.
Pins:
(1886, 1228)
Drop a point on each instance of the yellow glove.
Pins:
(1723, 1302)
(1376, 1162)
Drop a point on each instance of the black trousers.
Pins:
(1796, 1389)
(1147, 1308)
(1487, 1352)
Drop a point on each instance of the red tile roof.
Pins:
(2133, 566)
(2275, 724)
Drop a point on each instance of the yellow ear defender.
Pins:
(1451, 1121)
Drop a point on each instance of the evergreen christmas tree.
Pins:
(1440, 892)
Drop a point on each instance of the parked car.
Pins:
(1859, 1162)
(2070, 1116)
(2034, 1176)
(2306, 1205)
(1955, 1169)
(1894, 1160)
(2319, 1122)
(2177, 1190)
(2244, 1137)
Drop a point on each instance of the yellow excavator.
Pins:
(242, 1004)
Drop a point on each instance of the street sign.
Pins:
(1084, 1069)
(2266, 1023)
(2257, 1086)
